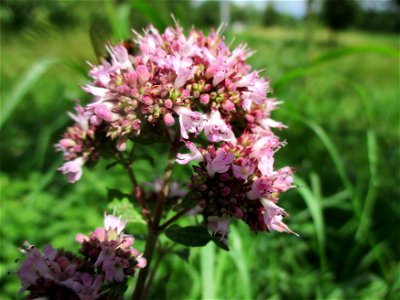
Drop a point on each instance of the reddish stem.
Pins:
(174, 218)
(136, 190)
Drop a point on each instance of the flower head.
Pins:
(73, 169)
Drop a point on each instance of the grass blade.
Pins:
(237, 255)
(313, 202)
(332, 150)
(207, 264)
(333, 55)
(23, 86)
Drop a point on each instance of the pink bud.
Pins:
(228, 105)
(136, 124)
(207, 87)
(65, 143)
(168, 119)
(143, 74)
(142, 262)
(147, 100)
(168, 103)
(250, 118)
(185, 94)
(80, 238)
(132, 78)
(238, 213)
(224, 177)
(205, 98)
(203, 188)
(225, 191)
(134, 92)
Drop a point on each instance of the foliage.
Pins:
(339, 16)
(270, 16)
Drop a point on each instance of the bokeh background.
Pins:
(335, 64)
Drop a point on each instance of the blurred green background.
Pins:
(335, 66)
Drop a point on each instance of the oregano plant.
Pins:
(212, 111)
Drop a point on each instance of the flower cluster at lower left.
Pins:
(101, 272)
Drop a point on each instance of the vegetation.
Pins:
(341, 106)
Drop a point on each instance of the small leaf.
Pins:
(125, 209)
(116, 194)
(183, 253)
(220, 243)
(111, 165)
(192, 236)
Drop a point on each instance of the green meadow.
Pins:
(341, 104)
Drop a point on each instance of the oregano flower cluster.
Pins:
(101, 271)
(199, 95)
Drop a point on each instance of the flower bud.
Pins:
(168, 119)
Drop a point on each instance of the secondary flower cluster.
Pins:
(108, 259)
(196, 90)
(238, 180)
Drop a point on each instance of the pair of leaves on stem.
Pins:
(191, 236)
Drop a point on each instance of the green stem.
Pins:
(140, 292)
(152, 237)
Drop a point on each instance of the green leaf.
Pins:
(217, 241)
(116, 194)
(192, 236)
(112, 165)
(125, 209)
(183, 253)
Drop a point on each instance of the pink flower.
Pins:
(244, 170)
(183, 70)
(73, 169)
(264, 145)
(143, 74)
(85, 285)
(102, 111)
(273, 217)
(113, 223)
(268, 123)
(100, 94)
(219, 225)
(102, 73)
(217, 130)
(120, 57)
(283, 179)
(195, 155)
(261, 187)
(266, 164)
(218, 162)
(189, 121)
(81, 117)
(247, 79)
